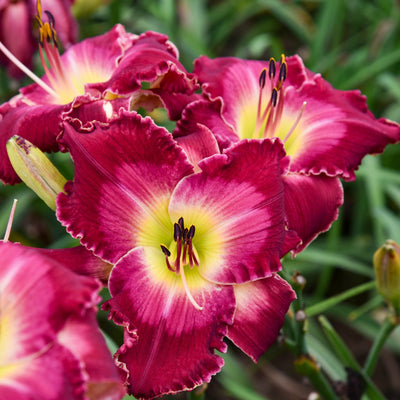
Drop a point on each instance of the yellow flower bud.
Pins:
(386, 262)
(35, 169)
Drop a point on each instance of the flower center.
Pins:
(181, 254)
(269, 121)
(65, 88)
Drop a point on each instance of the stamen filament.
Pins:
(296, 122)
(27, 71)
(10, 221)
(188, 294)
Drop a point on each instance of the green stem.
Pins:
(385, 331)
(328, 303)
(346, 357)
(307, 366)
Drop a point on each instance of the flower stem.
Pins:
(385, 331)
(332, 301)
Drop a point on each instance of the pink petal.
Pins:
(27, 122)
(15, 17)
(111, 195)
(311, 205)
(152, 58)
(199, 144)
(241, 192)
(205, 113)
(55, 374)
(81, 261)
(83, 338)
(35, 319)
(338, 131)
(260, 313)
(175, 346)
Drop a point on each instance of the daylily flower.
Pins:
(91, 81)
(195, 254)
(50, 344)
(326, 132)
(16, 29)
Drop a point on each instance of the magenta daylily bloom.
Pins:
(324, 130)
(16, 29)
(188, 248)
(91, 81)
(50, 344)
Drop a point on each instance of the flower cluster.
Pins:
(189, 226)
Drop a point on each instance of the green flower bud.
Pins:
(35, 169)
(387, 273)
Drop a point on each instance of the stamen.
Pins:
(188, 294)
(184, 249)
(177, 232)
(181, 223)
(261, 79)
(165, 250)
(296, 122)
(10, 221)
(274, 96)
(271, 68)
(283, 71)
(27, 71)
(167, 254)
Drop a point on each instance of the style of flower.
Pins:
(16, 32)
(195, 254)
(326, 132)
(50, 344)
(91, 81)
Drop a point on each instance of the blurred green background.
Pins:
(354, 44)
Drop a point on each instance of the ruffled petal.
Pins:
(260, 312)
(154, 59)
(236, 206)
(336, 130)
(176, 342)
(311, 205)
(208, 114)
(80, 260)
(27, 122)
(199, 144)
(120, 181)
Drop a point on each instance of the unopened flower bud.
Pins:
(35, 170)
(387, 272)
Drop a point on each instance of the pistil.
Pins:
(185, 255)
